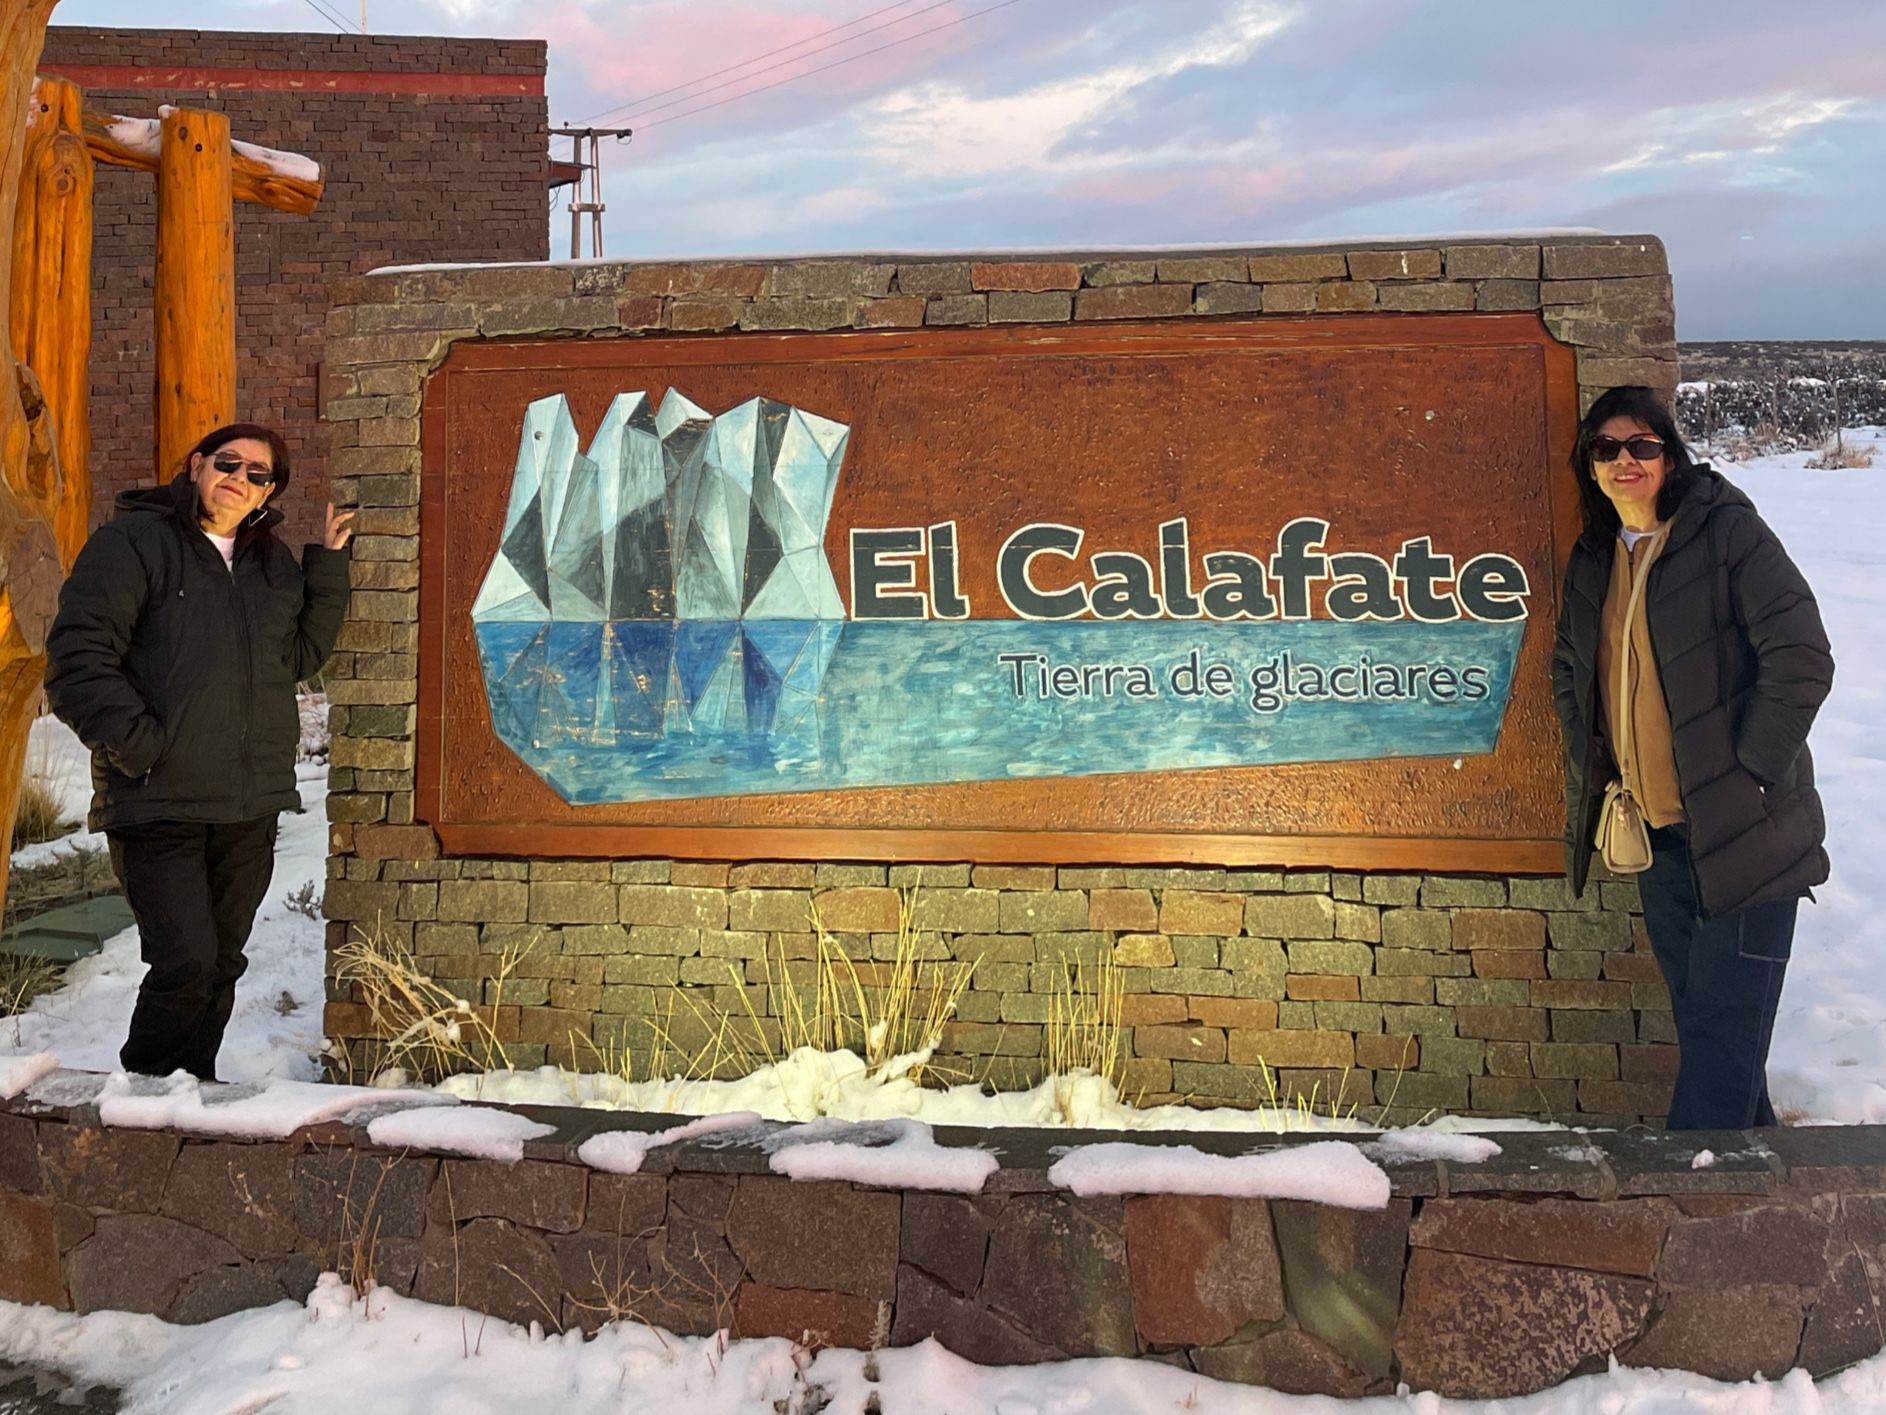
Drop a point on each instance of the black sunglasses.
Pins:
(257, 473)
(1644, 449)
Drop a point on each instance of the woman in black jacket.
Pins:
(1724, 665)
(181, 634)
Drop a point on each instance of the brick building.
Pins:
(432, 149)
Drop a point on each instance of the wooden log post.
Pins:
(29, 555)
(195, 286)
(52, 296)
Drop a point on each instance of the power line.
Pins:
(328, 15)
(836, 63)
(796, 44)
(322, 8)
(640, 105)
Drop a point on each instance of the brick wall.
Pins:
(1398, 994)
(432, 149)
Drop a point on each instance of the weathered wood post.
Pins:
(52, 293)
(29, 464)
(195, 286)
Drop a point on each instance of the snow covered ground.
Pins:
(394, 1356)
(1828, 1062)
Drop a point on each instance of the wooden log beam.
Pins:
(195, 286)
(28, 551)
(282, 181)
(51, 326)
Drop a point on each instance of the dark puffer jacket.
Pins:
(1745, 666)
(178, 672)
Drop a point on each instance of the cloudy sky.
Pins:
(1749, 134)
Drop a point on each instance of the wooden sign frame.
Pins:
(589, 832)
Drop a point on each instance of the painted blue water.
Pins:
(652, 710)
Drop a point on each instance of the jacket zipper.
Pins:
(248, 688)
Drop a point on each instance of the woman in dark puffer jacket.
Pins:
(182, 632)
(1726, 665)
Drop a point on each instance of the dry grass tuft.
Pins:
(42, 795)
(1082, 1034)
(24, 977)
(357, 1260)
(1742, 444)
(620, 1289)
(427, 1031)
(891, 1012)
(1841, 456)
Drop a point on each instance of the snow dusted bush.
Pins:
(1778, 405)
(313, 744)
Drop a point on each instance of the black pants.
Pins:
(194, 889)
(1725, 978)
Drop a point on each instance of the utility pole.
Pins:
(591, 173)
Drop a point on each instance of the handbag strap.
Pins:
(1627, 710)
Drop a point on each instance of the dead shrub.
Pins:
(1082, 1035)
(1842, 456)
(24, 977)
(424, 1028)
(40, 815)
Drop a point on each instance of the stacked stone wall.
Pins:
(1480, 1278)
(1391, 995)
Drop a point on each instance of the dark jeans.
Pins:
(1724, 977)
(194, 889)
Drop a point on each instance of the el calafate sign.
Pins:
(1265, 591)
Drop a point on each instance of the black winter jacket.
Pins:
(1745, 666)
(178, 672)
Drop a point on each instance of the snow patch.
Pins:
(266, 1110)
(622, 1151)
(475, 1131)
(810, 1085)
(19, 1072)
(1328, 1172)
(1577, 1154)
(1432, 1145)
(891, 1154)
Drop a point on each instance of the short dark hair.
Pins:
(212, 442)
(1642, 405)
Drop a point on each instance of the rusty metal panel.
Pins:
(1371, 434)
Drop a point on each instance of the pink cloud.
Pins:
(1768, 63)
(1220, 193)
(625, 53)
